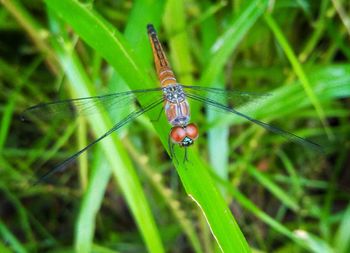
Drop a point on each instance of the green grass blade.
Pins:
(342, 236)
(175, 23)
(8, 111)
(299, 71)
(300, 237)
(10, 239)
(202, 190)
(4, 248)
(120, 164)
(218, 156)
(191, 172)
(217, 56)
(285, 198)
(33, 30)
(169, 198)
(226, 43)
(292, 175)
(329, 82)
(109, 43)
(314, 243)
(100, 176)
(91, 204)
(277, 191)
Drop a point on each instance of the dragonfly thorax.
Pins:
(174, 93)
(176, 106)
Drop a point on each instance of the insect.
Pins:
(171, 94)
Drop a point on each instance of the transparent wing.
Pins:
(130, 117)
(292, 137)
(70, 108)
(232, 97)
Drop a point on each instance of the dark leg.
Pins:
(170, 147)
(186, 160)
(158, 117)
(171, 150)
(173, 153)
(185, 156)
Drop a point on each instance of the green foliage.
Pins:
(243, 189)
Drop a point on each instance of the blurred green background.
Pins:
(244, 189)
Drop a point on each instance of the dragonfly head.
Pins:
(184, 135)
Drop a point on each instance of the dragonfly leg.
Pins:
(186, 160)
(159, 115)
(171, 146)
(173, 156)
(185, 156)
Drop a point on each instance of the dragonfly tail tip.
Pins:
(150, 29)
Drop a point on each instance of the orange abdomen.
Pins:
(165, 74)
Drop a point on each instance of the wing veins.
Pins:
(290, 136)
(118, 125)
(226, 92)
(83, 105)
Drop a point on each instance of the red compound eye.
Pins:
(191, 131)
(177, 134)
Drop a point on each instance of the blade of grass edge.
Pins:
(196, 179)
(11, 239)
(120, 164)
(299, 71)
(226, 43)
(174, 23)
(91, 203)
(295, 236)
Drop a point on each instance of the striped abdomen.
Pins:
(165, 74)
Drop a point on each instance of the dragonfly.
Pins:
(172, 95)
